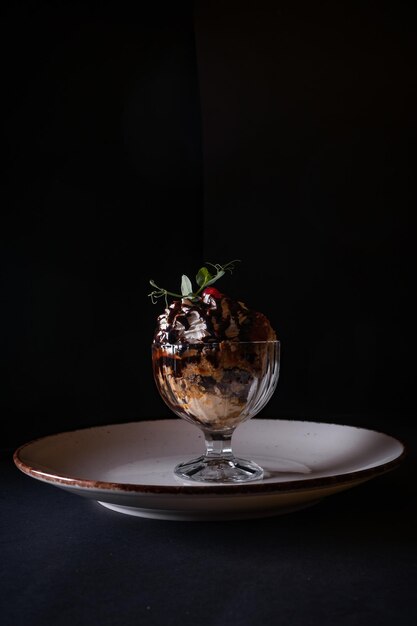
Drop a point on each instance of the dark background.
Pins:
(141, 144)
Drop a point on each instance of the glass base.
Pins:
(219, 470)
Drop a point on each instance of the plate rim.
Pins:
(251, 488)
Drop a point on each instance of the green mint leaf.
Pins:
(214, 278)
(203, 277)
(186, 286)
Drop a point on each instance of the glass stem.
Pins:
(218, 444)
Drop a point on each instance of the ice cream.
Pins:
(214, 317)
(210, 356)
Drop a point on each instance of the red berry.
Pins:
(212, 291)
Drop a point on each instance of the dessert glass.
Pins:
(216, 386)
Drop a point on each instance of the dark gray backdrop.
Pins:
(140, 144)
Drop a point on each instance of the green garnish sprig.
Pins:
(204, 278)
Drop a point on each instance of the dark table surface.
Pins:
(351, 559)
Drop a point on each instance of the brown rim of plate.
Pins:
(248, 488)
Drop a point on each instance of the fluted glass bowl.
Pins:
(216, 387)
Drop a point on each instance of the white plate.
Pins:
(129, 467)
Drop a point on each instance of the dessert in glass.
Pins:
(216, 365)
